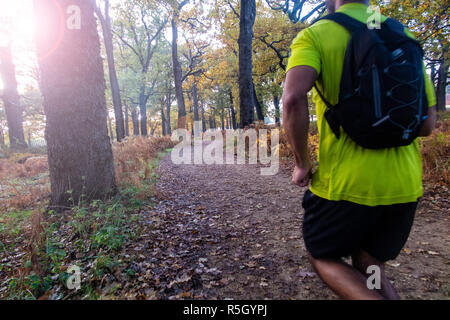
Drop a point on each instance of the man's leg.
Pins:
(362, 260)
(343, 279)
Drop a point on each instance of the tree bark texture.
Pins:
(135, 120)
(115, 90)
(233, 112)
(247, 20)
(73, 85)
(195, 101)
(11, 100)
(276, 103)
(258, 106)
(441, 93)
(178, 76)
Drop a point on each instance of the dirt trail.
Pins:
(239, 237)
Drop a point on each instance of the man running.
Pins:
(361, 202)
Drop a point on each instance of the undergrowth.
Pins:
(436, 153)
(39, 249)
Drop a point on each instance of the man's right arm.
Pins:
(429, 124)
(299, 81)
(303, 69)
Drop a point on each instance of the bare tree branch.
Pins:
(234, 10)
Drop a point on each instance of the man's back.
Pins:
(347, 171)
(362, 202)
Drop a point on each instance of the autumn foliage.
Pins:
(24, 179)
(436, 154)
(24, 182)
(133, 158)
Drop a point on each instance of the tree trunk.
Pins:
(73, 85)
(276, 103)
(222, 120)
(163, 120)
(2, 137)
(212, 121)
(258, 106)
(110, 128)
(11, 100)
(203, 117)
(195, 101)
(233, 112)
(152, 127)
(247, 20)
(433, 74)
(143, 111)
(108, 39)
(178, 76)
(441, 93)
(168, 111)
(127, 125)
(135, 120)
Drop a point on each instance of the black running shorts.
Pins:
(336, 229)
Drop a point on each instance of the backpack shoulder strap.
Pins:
(351, 24)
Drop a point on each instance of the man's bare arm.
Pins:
(299, 81)
(430, 123)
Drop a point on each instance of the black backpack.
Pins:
(382, 100)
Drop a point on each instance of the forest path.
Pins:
(235, 234)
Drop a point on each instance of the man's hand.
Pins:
(302, 176)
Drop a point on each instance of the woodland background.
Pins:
(82, 132)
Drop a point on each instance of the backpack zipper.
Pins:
(376, 91)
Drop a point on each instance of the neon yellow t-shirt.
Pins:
(347, 171)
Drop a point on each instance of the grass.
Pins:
(11, 223)
(38, 249)
(90, 236)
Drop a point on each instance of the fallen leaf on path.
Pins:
(395, 265)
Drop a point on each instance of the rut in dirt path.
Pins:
(238, 236)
